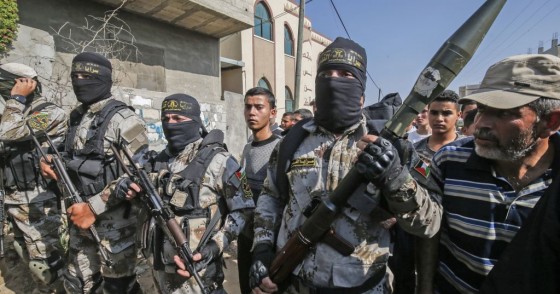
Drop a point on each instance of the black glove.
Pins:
(122, 187)
(263, 255)
(381, 165)
(209, 253)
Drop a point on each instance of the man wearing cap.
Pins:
(202, 183)
(325, 154)
(489, 184)
(30, 199)
(94, 125)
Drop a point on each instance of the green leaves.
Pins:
(8, 23)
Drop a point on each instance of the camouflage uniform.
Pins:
(34, 212)
(116, 219)
(224, 182)
(320, 162)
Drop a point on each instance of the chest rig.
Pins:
(20, 162)
(366, 201)
(90, 168)
(185, 199)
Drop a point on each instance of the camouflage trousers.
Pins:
(38, 223)
(298, 287)
(168, 283)
(38, 229)
(117, 237)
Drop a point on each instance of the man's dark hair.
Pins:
(467, 102)
(289, 113)
(304, 112)
(262, 91)
(469, 118)
(447, 96)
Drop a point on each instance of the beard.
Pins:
(516, 148)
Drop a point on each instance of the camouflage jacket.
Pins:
(224, 181)
(125, 121)
(51, 119)
(318, 165)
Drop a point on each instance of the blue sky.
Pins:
(401, 36)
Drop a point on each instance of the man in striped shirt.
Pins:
(489, 184)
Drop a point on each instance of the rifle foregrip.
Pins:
(176, 231)
(289, 258)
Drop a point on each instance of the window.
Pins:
(289, 100)
(263, 23)
(263, 83)
(288, 41)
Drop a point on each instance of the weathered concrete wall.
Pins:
(189, 64)
(236, 127)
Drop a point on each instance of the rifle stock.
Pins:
(75, 197)
(444, 66)
(161, 212)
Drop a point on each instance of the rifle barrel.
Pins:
(164, 216)
(60, 170)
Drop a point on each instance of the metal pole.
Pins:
(299, 52)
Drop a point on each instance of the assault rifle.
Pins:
(64, 178)
(4, 150)
(163, 214)
(2, 195)
(438, 74)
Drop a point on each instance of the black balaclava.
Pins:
(9, 72)
(89, 91)
(338, 99)
(179, 135)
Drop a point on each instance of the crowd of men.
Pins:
(434, 213)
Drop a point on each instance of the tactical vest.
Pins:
(193, 175)
(21, 162)
(90, 168)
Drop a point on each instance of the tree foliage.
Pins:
(8, 23)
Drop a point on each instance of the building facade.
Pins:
(265, 55)
(156, 47)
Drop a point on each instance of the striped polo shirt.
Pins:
(482, 213)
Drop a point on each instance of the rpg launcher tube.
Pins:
(446, 64)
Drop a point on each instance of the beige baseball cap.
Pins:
(18, 69)
(519, 80)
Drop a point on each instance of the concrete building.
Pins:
(467, 89)
(554, 47)
(265, 55)
(156, 47)
(204, 48)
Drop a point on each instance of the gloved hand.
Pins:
(126, 189)
(208, 253)
(263, 255)
(380, 164)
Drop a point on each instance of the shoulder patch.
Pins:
(242, 177)
(422, 168)
(39, 120)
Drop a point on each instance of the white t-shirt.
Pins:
(415, 137)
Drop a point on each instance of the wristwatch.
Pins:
(19, 98)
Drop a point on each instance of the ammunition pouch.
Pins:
(91, 176)
(21, 171)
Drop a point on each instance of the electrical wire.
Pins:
(348, 34)
(497, 50)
